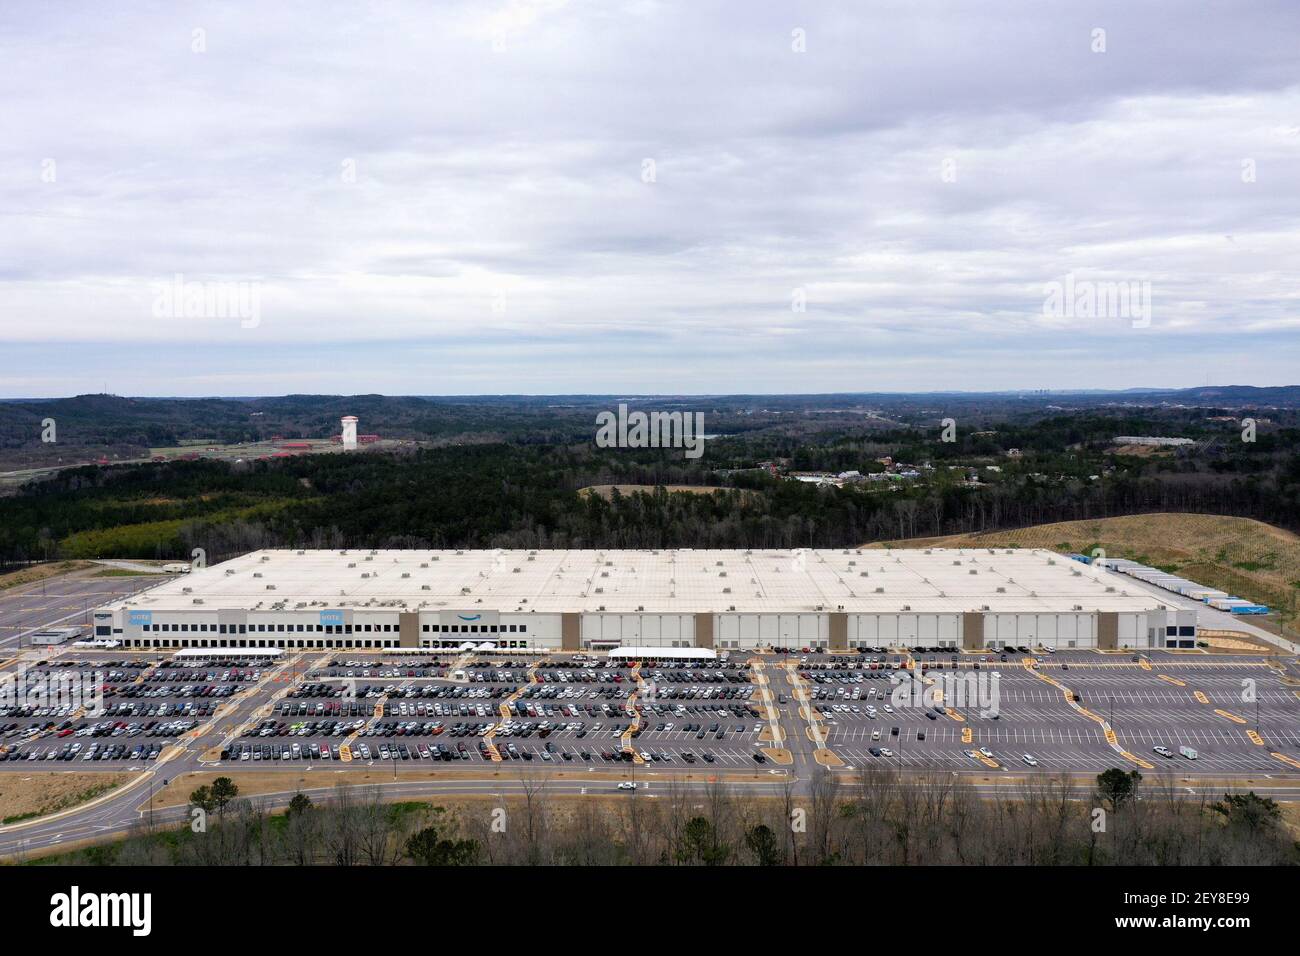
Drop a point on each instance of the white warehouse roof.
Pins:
(687, 581)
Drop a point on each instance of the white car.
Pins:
(886, 752)
(1163, 751)
(627, 785)
(986, 752)
(1029, 759)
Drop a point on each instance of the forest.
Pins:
(529, 492)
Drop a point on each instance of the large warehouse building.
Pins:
(599, 600)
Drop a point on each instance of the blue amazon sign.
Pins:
(331, 618)
(139, 618)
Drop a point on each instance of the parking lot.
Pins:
(1051, 712)
(548, 711)
(1074, 711)
(120, 709)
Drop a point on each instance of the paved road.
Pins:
(61, 601)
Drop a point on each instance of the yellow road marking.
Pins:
(1201, 697)
(1172, 680)
(1138, 760)
(1230, 716)
(1286, 760)
(967, 735)
(1255, 738)
(953, 714)
(494, 755)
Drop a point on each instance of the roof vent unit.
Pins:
(1110, 590)
(516, 570)
(433, 557)
(229, 572)
(906, 607)
(600, 590)
(880, 590)
(464, 590)
(270, 587)
(731, 607)
(640, 607)
(957, 563)
(532, 557)
(853, 564)
(424, 564)
(370, 557)
(1002, 590)
(373, 551)
(727, 591)
(601, 608)
(365, 574)
(266, 557)
(406, 574)
(425, 587)
(198, 600)
(300, 552)
(604, 574)
(984, 607)
(352, 564)
(257, 574)
(722, 574)
(1078, 607)
(863, 574)
(1051, 560)
(974, 571)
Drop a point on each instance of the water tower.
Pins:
(349, 432)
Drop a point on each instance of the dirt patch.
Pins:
(25, 796)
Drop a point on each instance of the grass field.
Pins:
(31, 795)
(1244, 557)
(40, 572)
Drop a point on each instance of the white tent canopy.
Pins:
(203, 652)
(665, 653)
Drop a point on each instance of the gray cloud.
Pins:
(917, 177)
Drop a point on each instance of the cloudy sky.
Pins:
(492, 196)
